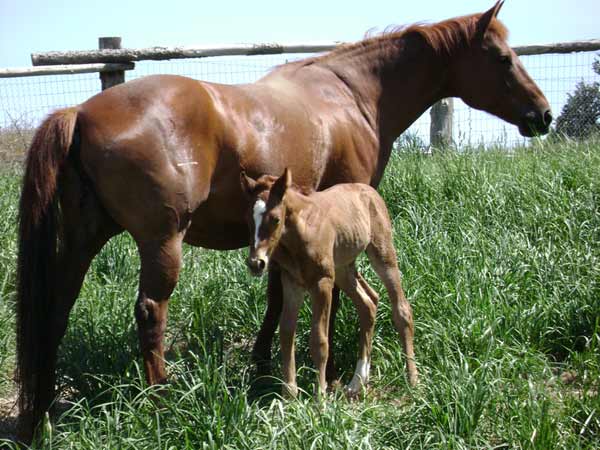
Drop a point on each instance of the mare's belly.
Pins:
(217, 236)
(218, 225)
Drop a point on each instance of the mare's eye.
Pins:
(276, 220)
(505, 59)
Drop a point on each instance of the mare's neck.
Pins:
(394, 79)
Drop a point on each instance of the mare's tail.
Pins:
(39, 231)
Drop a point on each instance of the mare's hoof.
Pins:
(263, 369)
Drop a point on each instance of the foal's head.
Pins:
(266, 218)
(488, 75)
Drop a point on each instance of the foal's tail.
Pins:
(39, 228)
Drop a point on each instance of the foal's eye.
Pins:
(276, 220)
(505, 59)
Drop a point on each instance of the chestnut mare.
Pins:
(315, 240)
(160, 156)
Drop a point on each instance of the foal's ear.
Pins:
(248, 184)
(486, 18)
(282, 184)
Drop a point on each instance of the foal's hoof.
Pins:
(413, 378)
(289, 391)
(413, 381)
(355, 388)
(352, 394)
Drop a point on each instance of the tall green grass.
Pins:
(500, 258)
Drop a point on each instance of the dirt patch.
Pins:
(8, 416)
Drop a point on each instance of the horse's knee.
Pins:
(161, 264)
(402, 314)
(319, 346)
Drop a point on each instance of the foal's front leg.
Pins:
(319, 344)
(261, 352)
(292, 300)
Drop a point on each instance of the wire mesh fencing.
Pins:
(25, 101)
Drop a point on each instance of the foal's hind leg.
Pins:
(362, 295)
(383, 259)
(331, 372)
(161, 263)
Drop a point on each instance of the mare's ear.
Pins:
(248, 184)
(281, 185)
(486, 18)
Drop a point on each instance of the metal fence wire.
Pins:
(25, 101)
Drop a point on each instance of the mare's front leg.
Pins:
(319, 344)
(292, 301)
(161, 263)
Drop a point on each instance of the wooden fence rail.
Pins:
(64, 69)
(162, 53)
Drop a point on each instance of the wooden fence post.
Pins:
(110, 79)
(440, 130)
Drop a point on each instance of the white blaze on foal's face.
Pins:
(258, 213)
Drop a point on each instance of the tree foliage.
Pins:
(580, 116)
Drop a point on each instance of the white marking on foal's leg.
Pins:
(258, 212)
(360, 378)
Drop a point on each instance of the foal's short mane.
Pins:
(443, 37)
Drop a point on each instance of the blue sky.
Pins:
(28, 26)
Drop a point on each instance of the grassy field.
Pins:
(500, 255)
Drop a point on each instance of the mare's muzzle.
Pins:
(535, 123)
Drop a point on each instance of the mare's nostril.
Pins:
(548, 118)
(261, 264)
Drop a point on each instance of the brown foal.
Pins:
(315, 239)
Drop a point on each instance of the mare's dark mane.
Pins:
(443, 37)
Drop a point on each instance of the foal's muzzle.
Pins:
(257, 265)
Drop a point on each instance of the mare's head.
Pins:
(488, 75)
(266, 218)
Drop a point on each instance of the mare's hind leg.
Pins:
(364, 299)
(161, 263)
(85, 229)
(383, 259)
